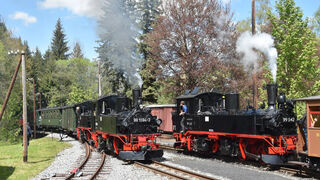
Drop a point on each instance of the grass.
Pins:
(41, 152)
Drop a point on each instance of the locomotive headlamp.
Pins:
(281, 98)
(125, 123)
(159, 121)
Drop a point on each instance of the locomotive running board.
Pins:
(272, 159)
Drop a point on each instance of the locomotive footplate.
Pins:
(141, 155)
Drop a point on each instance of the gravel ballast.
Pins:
(65, 160)
(69, 159)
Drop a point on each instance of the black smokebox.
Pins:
(272, 91)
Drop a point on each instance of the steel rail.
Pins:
(172, 174)
(292, 171)
(88, 154)
(301, 172)
(183, 170)
(160, 171)
(100, 166)
(170, 148)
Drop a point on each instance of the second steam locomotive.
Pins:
(214, 123)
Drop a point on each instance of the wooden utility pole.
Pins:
(99, 78)
(34, 109)
(254, 77)
(14, 77)
(253, 18)
(25, 120)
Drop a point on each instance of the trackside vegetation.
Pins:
(41, 153)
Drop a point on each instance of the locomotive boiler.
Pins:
(215, 123)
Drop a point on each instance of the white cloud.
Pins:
(90, 8)
(23, 16)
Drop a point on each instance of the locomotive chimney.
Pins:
(232, 102)
(272, 91)
(137, 96)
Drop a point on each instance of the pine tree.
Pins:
(295, 42)
(149, 11)
(59, 44)
(46, 83)
(114, 80)
(77, 52)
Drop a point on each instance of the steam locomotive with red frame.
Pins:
(110, 123)
(214, 123)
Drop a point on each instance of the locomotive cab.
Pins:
(85, 114)
(108, 109)
(116, 115)
(198, 104)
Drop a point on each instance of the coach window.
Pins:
(187, 104)
(314, 120)
(200, 105)
(314, 117)
(107, 110)
(103, 107)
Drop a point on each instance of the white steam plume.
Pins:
(118, 30)
(249, 45)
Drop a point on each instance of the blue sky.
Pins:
(34, 20)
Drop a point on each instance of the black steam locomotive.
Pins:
(110, 123)
(215, 123)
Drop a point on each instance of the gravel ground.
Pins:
(62, 161)
(123, 171)
(221, 169)
(68, 159)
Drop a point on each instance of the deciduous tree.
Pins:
(193, 44)
(295, 42)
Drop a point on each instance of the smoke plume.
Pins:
(249, 45)
(118, 30)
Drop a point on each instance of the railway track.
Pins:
(171, 171)
(170, 148)
(304, 173)
(74, 171)
(93, 166)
